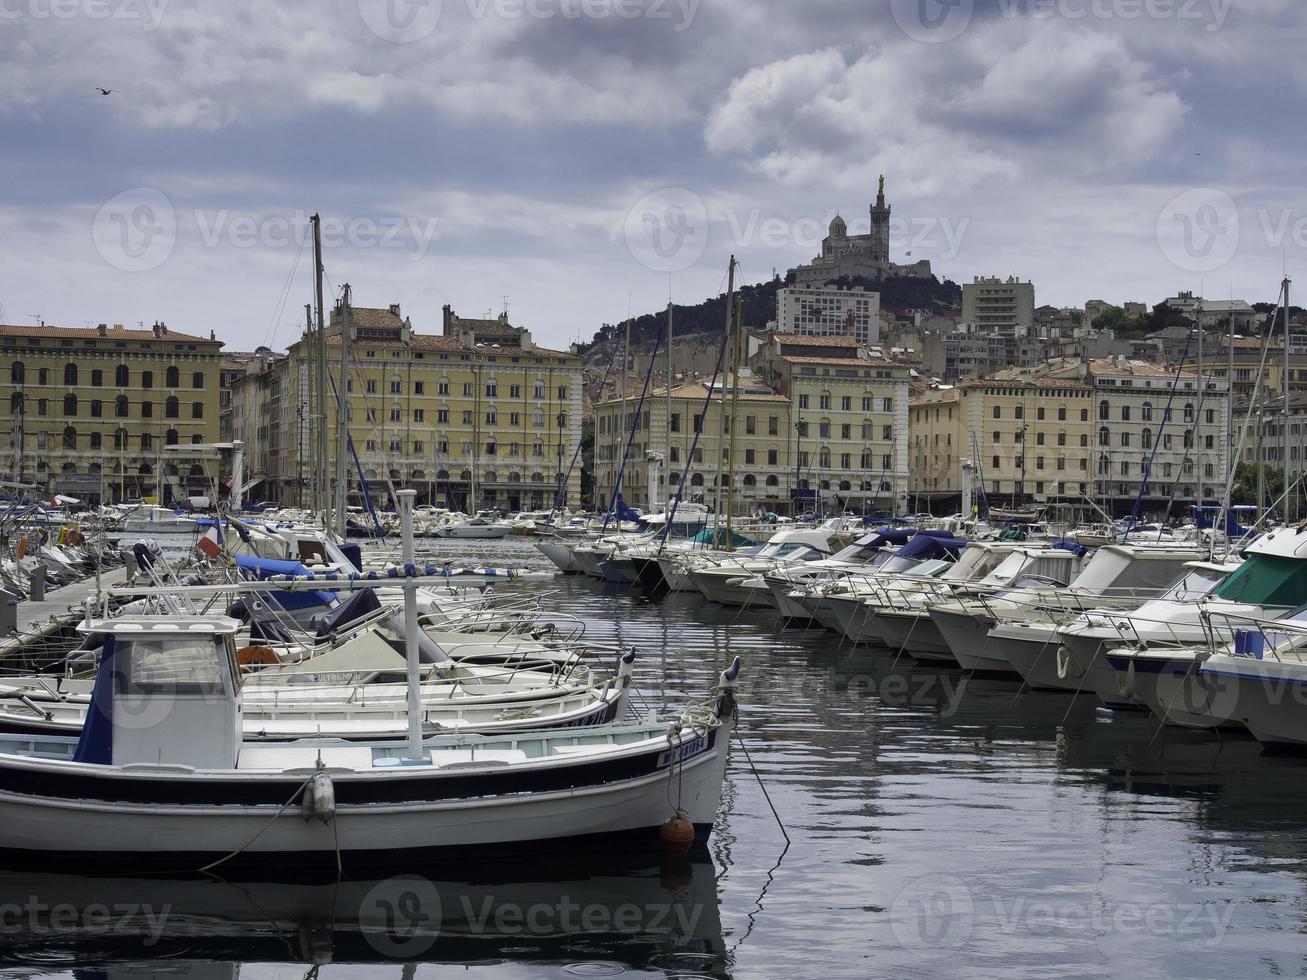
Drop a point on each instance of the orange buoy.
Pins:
(677, 833)
(253, 655)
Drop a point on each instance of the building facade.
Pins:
(849, 409)
(1025, 436)
(824, 311)
(475, 417)
(96, 413)
(1003, 306)
(686, 435)
(1153, 420)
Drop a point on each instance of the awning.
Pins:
(249, 484)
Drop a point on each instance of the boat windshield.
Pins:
(1267, 580)
(1193, 584)
(975, 563)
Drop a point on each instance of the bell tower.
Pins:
(880, 212)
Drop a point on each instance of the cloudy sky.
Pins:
(586, 157)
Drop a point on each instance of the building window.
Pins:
(95, 444)
(394, 413)
(120, 376)
(70, 374)
(172, 378)
(170, 437)
(370, 387)
(197, 379)
(97, 408)
(120, 407)
(562, 393)
(442, 388)
(418, 387)
(17, 372)
(70, 405)
(147, 409)
(147, 442)
(442, 416)
(171, 407)
(394, 386)
(538, 392)
(998, 411)
(419, 415)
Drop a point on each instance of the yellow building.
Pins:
(1023, 435)
(849, 408)
(664, 442)
(93, 412)
(475, 417)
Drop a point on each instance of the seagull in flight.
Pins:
(106, 91)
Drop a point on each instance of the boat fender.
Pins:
(1125, 681)
(677, 833)
(319, 800)
(1066, 664)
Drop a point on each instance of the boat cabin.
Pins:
(166, 693)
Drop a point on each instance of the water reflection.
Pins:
(567, 914)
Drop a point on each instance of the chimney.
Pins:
(157, 328)
(524, 338)
(405, 328)
(446, 320)
(394, 309)
(117, 328)
(102, 329)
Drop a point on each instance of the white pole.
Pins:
(411, 626)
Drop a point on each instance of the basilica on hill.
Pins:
(867, 256)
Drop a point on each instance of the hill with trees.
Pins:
(709, 316)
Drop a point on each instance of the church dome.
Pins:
(838, 229)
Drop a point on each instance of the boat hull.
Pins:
(106, 816)
(967, 635)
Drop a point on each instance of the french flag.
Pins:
(211, 542)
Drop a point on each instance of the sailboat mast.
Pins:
(1198, 422)
(342, 442)
(667, 462)
(1290, 500)
(320, 378)
(721, 408)
(735, 420)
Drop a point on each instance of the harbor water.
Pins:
(880, 818)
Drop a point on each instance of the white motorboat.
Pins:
(475, 528)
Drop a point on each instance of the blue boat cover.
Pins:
(925, 546)
(358, 605)
(96, 742)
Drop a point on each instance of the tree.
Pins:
(1245, 484)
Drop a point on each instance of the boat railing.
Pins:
(1255, 637)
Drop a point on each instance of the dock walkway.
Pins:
(57, 601)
